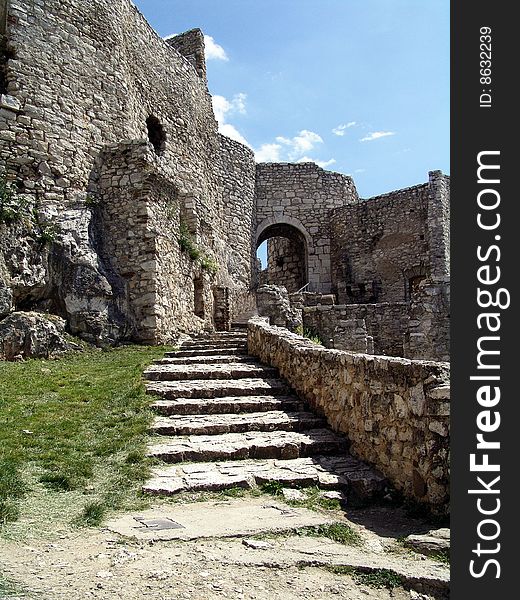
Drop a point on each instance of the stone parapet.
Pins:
(395, 412)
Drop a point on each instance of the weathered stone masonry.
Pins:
(395, 412)
(108, 132)
(85, 81)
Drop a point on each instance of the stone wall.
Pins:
(286, 263)
(191, 45)
(81, 77)
(379, 245)
(299, 197)
(385, 323)
(395, 412)
(237, 171)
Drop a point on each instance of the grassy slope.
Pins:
(72, 433)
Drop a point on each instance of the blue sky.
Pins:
(359, 86)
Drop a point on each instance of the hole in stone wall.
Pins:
(198, 297)
(413, 286)
(156, 134)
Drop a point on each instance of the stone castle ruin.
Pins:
(126, 214)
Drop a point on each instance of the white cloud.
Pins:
(232, 132)
(340, 130)
(359, 170)
(269, 153)
(222, 107)
(375, 135)
(168, 37)
(321, 163)
(295, 149)
(213, 50)
(301, 143)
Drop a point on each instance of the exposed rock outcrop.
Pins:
(33, 335)
(273, 302)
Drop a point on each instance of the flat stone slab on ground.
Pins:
(244, 517)
(433, 542)
(325, 472)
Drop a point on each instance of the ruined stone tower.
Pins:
(132, 218)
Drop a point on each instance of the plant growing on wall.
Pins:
(13, 207)
(188, 245)
(16, 208)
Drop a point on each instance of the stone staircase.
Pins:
(224, 420)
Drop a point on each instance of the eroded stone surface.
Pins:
(217, 388)
(169, 372)
(236, 423)
(227, 404)
(33, 335)
(255, 444)
(326, 472)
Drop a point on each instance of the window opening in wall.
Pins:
(156, 134)
(413, 285)
(198, 297)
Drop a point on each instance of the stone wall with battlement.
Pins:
(395, 412)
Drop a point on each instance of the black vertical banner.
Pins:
(485, 326)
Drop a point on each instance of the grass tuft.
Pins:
(92, 514)
(378, 579)
(274, 488)
(9, 511)
(337, 532)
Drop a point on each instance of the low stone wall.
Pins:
(386, 323)
(394, 411)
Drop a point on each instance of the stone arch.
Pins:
(288, 255)
(283, 220)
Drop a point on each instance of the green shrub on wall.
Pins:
(188, 245)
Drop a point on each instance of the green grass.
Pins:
(378, 578)
(309, 334)
(74, 427)
(337, 532)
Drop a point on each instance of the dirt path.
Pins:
(101, 564)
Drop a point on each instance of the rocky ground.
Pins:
(247, 560)
(227, 520)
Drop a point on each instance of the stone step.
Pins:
(236, 423)
(234, 350)
(231, 335)
(256, 444)
(218, 388)
(327, 472)
(210, 344)
(227, 404)
(209, 372)
(207, 360)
